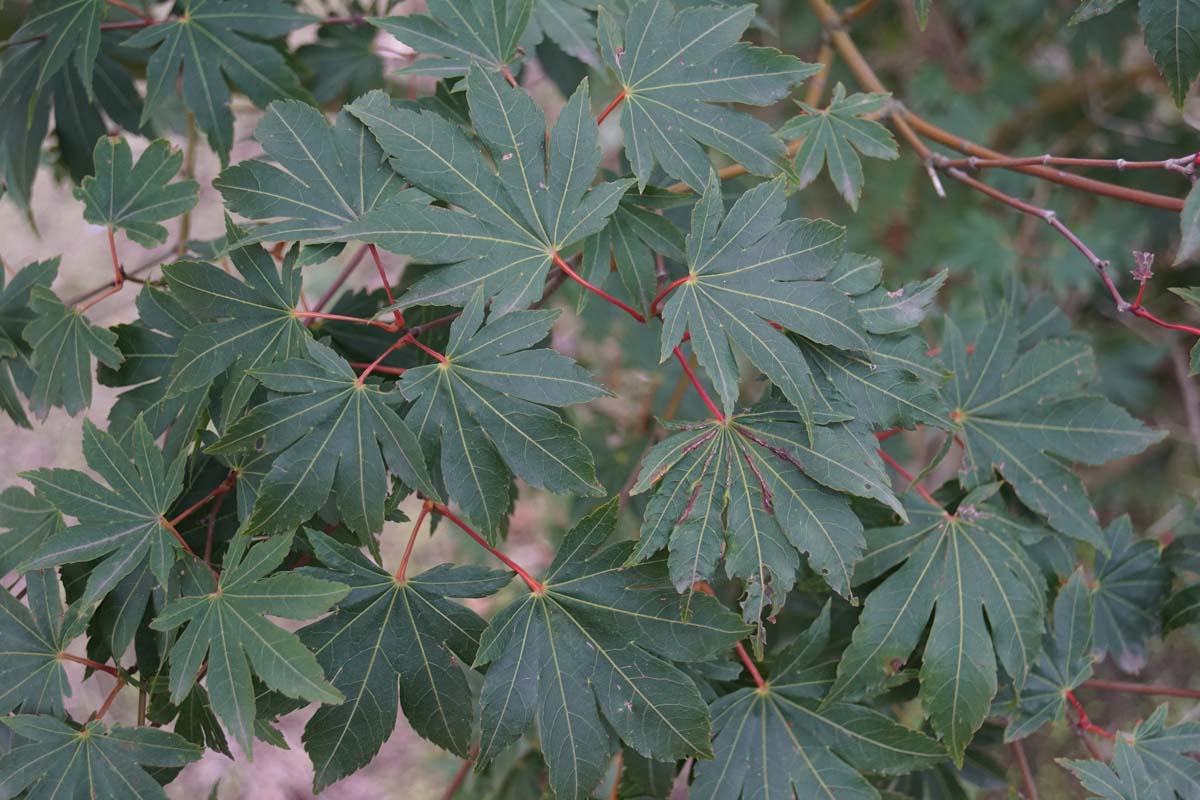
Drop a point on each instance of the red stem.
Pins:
(753, 670)
(1085, 723)
(351, 265)
(654, 309)
(429, 351)
(126, 7)
(912, 481)
(1138, 311)
(426, 507)
(508, 76)
(396, 345)
(87, 662)
(533, 584)
(387, 326)
(596, 290)
(387, 288)
(616, 101)
(108, 701)
(691, 376)
(461, 776)
(221, 489)
(186, 547)
(378, 368)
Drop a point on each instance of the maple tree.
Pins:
(862, 506)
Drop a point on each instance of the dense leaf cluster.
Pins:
(258, 445)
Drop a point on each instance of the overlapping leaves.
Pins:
(1153, 761)
(15, 316)
(589, 654)
(482, 411)
(32, 640)
(514, 220)
(463, 33)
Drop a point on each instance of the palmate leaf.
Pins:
(342, 63)
(1065, 662)
(28, 521)
(1019, 414)
(753, 489)
(225, 623)
(747, 273)
(464, 33)
(568, 24)
(208, 43)
(588, 655)
(135, 197)
(834, 136)
(119, 524)
(32, 640)
(1129, 589)
(512, 222)
(60, 761)
(673, 65)
(483, 412)
(955, 567)
(333, 433)
(387, 630)
(1151, 762)
(63, 344)
(779, 743)
(72, 32)
(247, 324)
(148, 347)
(15, 315)
(327, 176)
(1170, 28)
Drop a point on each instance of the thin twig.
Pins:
(1140, 688)
(1031, 792)
(463, 771)
(534, 585)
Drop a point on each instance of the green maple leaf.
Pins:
(389, 629)
(327, 176)
(15, 315)
(225, 624)
(32, 641)
(1151, 762)
(246, 324)
(118, 524)
(342, 63)
(483, 412)
(208, 43)
(673, 65)
(1065, 662)
(778, 742)
(755, 491)
(72, 32)
(512, 222)
(62, 761)
(1129, 589)
(834, 136)
(590, 651)
(135, 197)
(1170, 29)
(487, 34)
(149, 347)
(332, 433)
(568, 24)
(747, 273)
(953, 567)
(1022, 415)
(63, 344)
(29, 520)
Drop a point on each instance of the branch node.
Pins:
(1121, 163)
(1049, 216)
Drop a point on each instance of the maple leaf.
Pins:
(63, 344)
(88, 761)
(1129, 588)
(1018, 414)
(388, 629)
(463, 33)
(953, 567)
(747, 273)
(753, 490)
(225, 623)
(673, 66)
(120, 523)
(342, 63)
(332, 433)
(72, 33)
(135, 197)
(834, 137)
(29, 521)
(1065, 662)
(513, 223)
(32, 641)
(483, 411)
(327, 176)
(778, 742)
(15, 315)
(246, 324)
(568, 24)
(208, 42)
(1153, 761)
(591, 651)
(148, 347)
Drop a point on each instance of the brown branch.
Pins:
(1031, 792)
